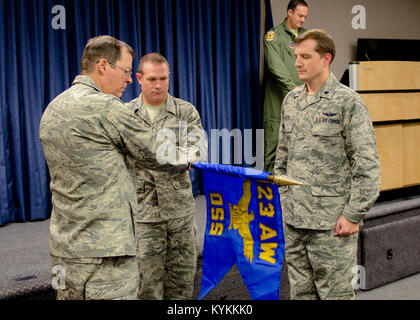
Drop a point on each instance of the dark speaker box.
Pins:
(389, 248)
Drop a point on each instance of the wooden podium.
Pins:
(391, 91)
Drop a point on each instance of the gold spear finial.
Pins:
(283, 180)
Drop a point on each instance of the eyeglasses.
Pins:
(127, 72)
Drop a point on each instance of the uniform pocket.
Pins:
(328, 203)
(178, 185)
(112, 290)
(327, 151)
(116, 279)
(324, 130)
(97, 260)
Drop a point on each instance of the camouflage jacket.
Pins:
(167, 195)
(85, 135)
(329, 144)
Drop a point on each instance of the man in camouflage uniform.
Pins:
(166, 226)
(280, 74)
(85, 133)
(326, 140)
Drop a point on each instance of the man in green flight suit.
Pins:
(281, 75)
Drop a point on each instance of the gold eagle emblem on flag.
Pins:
(240, 219)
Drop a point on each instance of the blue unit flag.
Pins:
(244, 226)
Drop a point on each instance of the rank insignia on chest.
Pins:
(270, 36)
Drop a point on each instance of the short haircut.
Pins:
(294, 3)
(325, 43)
(153, 57)
(102, 47)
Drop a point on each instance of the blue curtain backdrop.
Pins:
(213, 47)
(268, 23)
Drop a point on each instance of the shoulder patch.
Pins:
(270, 36)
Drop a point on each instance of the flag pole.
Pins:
(283, 180)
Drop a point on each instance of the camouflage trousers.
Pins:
(319, 264)
(167, 259)
(108, 278)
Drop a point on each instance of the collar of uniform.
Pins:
(86, 80)
(170, 105)
(140, 110)
(168, 108)
(328, 87)
(299, 91)
(287, 29)
(325, 92)
(299, 97)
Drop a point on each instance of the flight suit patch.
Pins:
(270, 36)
